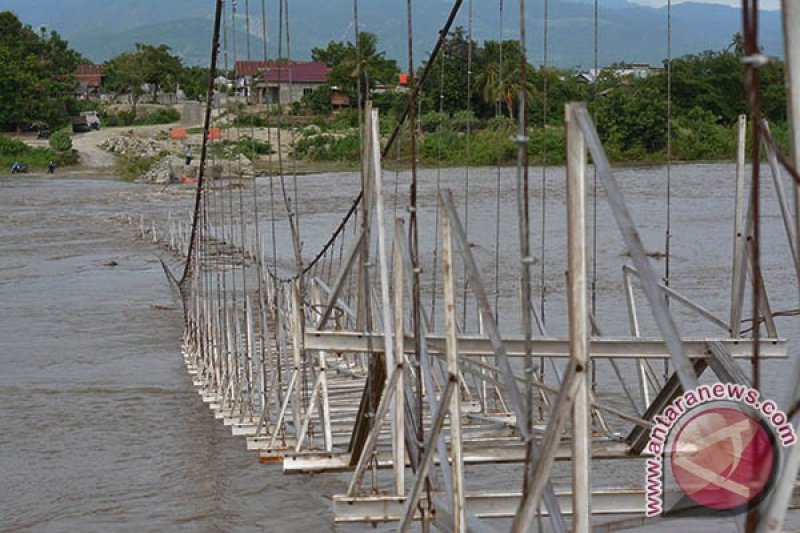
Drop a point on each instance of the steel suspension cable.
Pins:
(253, 155)
(498, 113)
(264, 29)
(752, 86)
(543, 236)
(247, 26)
(225, 37)
(413, 230)
(752, 80)
(359, 96)
(414, 90)
(238, 136)
(595, 53)
(203, 153)
(668, 230)
(523, 212)
(291, 141)
(233, 44)
(393, 137)
(290, 212)
(468, 153)
(440, 128)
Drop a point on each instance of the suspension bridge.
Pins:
(377, 357)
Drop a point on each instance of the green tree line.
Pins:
(37, 75)
(473, 87)
(36, 71)
(478, 85)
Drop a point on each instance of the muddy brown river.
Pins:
(100, 426)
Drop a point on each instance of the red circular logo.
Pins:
(722, 458)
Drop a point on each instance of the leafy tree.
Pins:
(499, 79)
(631, 114)
(162, 70)
(699, 135)
(562, 87)
(125, 73)
(36, 72)
(148, 64)
(346, 69)
(333, 54)
(61, 141)
(194, 81)
(710, 80)
(319, 100)
(773, 91)
(449, 77)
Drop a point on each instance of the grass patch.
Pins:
(131, 168)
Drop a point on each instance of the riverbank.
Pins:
(97, 162)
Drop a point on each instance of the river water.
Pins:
(100, 427)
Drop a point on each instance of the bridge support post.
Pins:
(456, 452)
(772, 520)
(578, 323)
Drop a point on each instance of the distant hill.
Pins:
(628, 32)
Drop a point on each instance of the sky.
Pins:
(763, 4)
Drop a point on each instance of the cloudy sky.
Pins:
(764, 4)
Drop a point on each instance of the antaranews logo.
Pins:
(715, 451)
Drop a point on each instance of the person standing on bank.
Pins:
(187, 153)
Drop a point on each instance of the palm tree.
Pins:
(501, 85)
(366, 64)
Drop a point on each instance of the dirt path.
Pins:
(95, 158)
(95, 161)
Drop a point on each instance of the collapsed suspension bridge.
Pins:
(340, 364)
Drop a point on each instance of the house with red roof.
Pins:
(273, 82)
(90, 80)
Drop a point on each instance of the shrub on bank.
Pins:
(700, 135)
(36, 158)
(696, 135)
(131, 167)
(228, 149)
(326, 147)
(112, 120)
(61, 141)
(249, 147)
(164, 115)
(251, 119)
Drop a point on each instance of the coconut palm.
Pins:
(501, 86)
(499, 81)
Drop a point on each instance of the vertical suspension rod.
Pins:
(413, 230)
(203, 150)
(415, 88)
(524, 243)
(752, 80)
(775, 514)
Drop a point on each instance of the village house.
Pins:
(90, 81)
(244, 72)
(271, 82)
(339, 99)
